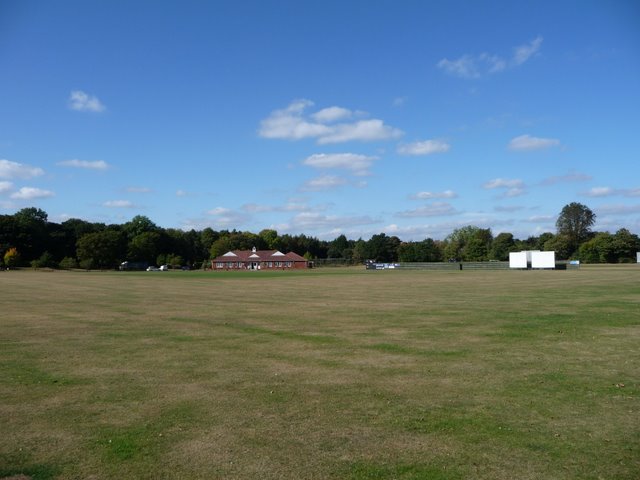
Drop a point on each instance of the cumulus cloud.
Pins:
(434, 195)
(511, 187)
(291, 123)
(362, 130)
(426, 147)
(83, 102)
(5, 187)
(31, 193)
(118, 204)
(503, 183)
(476, 66)
(435, 209)
(10, 170)
(331, 114)
(325, 182)
(225, 217)
(358, 164)
(529, 143)
(600, 192)
(88, 164)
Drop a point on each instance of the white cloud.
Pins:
(503, 183)
(464, 67)
(524, 52)
(356, 163)
(181, 193)
(436, 209)
(118, 204)
(83, 102)
(527, 143)
(325, 182)
(291, 124)
(5, 187)
(31, 193)
(88, 164)
(618, 209)
(219, 211)
(541, 219)
(363, 131)
(331, 114)
(287, 207)
(568, 178)
(609, 192)
(512, 187)
(514, 192)
(314, 221)
(476, 66)
(426, 147)
(434, 195)
(10, 170)
(600, 192)
(227, 218)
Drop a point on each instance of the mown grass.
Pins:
(336, 373)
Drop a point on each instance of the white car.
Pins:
(164, 268)
(153, 269)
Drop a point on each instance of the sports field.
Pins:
(335, 373)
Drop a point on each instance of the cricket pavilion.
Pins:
(259, 260)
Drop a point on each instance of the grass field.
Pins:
(336, 373)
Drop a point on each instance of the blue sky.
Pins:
(411, 118)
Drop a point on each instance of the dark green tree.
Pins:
(626, 245)
(144, 247)
(502, 244)
(101, 249)
(574, 223)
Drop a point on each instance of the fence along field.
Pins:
(334, 373)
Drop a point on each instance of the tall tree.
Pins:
(574, 223)
(101, 249)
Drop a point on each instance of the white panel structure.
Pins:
(543, 259)
(518, 260)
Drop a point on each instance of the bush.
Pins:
(67, 263)
(45, 261)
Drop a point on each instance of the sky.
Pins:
(410, 118)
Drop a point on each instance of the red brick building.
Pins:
(258, 260)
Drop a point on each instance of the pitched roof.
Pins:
(259, 256)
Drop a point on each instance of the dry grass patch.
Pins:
(325, 374)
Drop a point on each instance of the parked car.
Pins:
(153, 269)
(164, 268)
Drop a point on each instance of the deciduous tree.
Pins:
(574, 223)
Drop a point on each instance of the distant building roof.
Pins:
(259, 256)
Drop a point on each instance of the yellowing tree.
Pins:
(11, 257)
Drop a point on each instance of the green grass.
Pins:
(336, 373)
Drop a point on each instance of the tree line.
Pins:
(28, 238)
